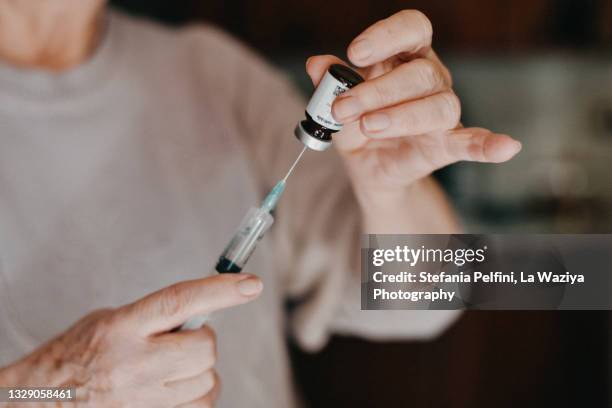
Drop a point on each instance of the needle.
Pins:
(294, 164)
(274, 195)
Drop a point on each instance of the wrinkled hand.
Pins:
(130, 356)
(402, 123)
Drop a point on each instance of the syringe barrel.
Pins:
(252, 228)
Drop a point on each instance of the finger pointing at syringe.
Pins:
(132, 352)
(170, 307)
(184, 362)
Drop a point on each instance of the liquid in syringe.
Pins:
(252, 228)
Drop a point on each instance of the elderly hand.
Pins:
(402, 123)
(130, 356)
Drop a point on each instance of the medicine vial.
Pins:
(316, 131)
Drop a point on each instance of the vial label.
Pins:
(319, 107)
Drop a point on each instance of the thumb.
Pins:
(174, 305)
(317, 65)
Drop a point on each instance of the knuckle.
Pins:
(451, 111)
(447, 76)
(426, 25)
(412, 16)
(382, 95)
(406, 19)
(429, 74)
(217, 380)
(209, 342)
(215, 391)
(411, 121)
(213, 356)
(209, 335)
(406, 15)
(172, 300)
(208, 381)
(119, 318)
(99, 317)
(103, 324)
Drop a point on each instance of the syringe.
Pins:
(315, 132)
(252, 228)
(250, 231)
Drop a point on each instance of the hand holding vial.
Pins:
(402, 123)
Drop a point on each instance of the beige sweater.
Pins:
(130, 173)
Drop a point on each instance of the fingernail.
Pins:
(361, 49)
(376, 122)
(518, 146)
(250, 286)
(346, 107)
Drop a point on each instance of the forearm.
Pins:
(420, 208)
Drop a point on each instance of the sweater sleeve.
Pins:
(316, 233)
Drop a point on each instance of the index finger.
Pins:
(408, 31)
(171, 306)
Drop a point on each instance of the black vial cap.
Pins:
(346, 75)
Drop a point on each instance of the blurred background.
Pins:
(540, 70)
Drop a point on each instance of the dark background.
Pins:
(290, 26)
(538, 69)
